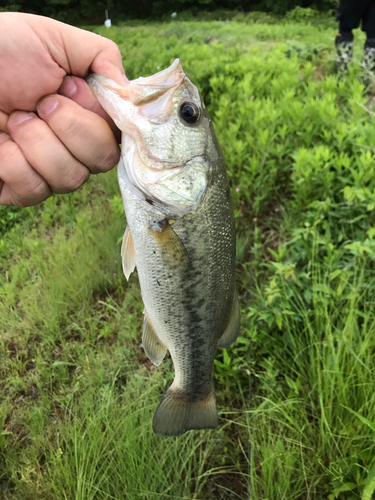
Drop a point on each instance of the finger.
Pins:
(3, 138)
(79, 51)
(76, 88)
(85, 134)
(3, 121)
(46, 153)
(28, 72)
(20, 184)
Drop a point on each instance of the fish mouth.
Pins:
(149, 98)
(151, 88)
(145, 90)
(148, 101)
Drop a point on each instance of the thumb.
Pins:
(80, 52)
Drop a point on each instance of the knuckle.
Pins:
(111, 45)
(33, 199)
(39, 188)
(108, 160)
(22, 202)
(31, 133)
(69, 127)
(27, 186)
(8, 151)
(76, 179)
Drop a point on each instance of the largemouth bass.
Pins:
(180, 235)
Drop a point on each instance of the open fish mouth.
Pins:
(162, 149)
(143, 90)
(148, 99)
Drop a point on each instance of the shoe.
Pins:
(344, 54)
(368, 63)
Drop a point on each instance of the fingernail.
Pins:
(46, 106)
(126, 80)
(4, 137)
(20, 116)
(68, 87)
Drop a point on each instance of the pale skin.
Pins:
(53, 131)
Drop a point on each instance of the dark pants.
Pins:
(350, 15)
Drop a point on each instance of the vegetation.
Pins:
(78, 11)
(78, 393)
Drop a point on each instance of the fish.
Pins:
(180, 235)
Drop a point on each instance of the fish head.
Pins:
(166, 134)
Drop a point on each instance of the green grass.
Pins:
(77, 391)
(303, 432)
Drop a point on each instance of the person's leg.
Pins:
(349, 17)
(368, 26)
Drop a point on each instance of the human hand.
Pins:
(51, 142)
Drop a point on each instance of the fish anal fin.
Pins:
(176, 414)
(232, 330)
(153, 346)
(128, 253)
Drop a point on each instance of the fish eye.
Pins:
(189, 112)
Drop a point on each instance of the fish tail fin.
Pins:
(176, 414)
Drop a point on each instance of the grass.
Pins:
(330, 370)
(77, 391)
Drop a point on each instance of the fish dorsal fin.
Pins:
(128, 253)
(153, 346)
(231, 332)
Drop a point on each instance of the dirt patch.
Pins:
(227, 486)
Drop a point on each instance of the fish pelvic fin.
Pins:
(128, 253)
(176, 414)
(233, 327)
(153, 346)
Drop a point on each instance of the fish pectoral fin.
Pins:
(153, 346)
(170, 244)
(177, 414)
(128, 253)
(177, 248)
(231, 332)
